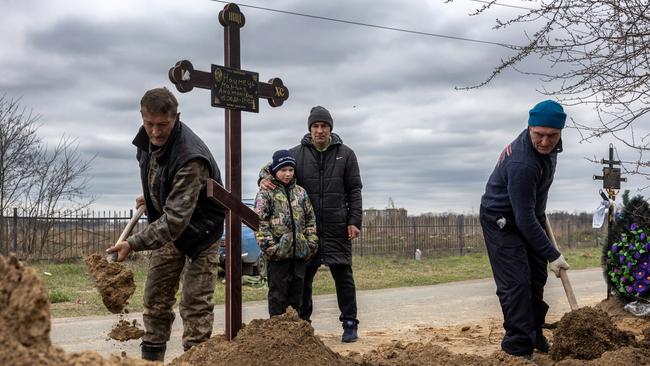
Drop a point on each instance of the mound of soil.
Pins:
(125, 331)
(25, 324)
(586, 334)
(282, 340)
(398, 354)
(626, 356)
(113, 280)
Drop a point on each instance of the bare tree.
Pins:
(43, 181)
(598, 52)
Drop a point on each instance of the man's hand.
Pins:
(559, 264)
(139, 201)
(267, 185)
(122, 248)
(353, 232)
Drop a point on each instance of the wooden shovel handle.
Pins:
(568, 290)
(132, 223)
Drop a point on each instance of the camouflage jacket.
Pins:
(287, 223)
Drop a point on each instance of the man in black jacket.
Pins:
(513, 217)
(184, 225)
(329, 172)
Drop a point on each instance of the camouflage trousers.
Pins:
(166, 267)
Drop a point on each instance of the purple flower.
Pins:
(637, 255)
(621, 259)
(643, 264)
(629, 265)
(631, 246)
(615, 248)
(641, 287)
(623, 279)
(647, 278)
(639, 274)
(634, 227)
(617, 270)
(647, 247)
(642, 236)
(629, 289)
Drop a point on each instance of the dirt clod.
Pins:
(125, 331)
(586, 334)
(113, 280)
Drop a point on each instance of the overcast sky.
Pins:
(83, 65)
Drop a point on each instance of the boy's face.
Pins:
(285, 175)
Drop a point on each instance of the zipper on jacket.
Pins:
(321, 177)
(293, 222)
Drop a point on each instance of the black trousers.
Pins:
(346, 293)
(286, 280)
(520, 275)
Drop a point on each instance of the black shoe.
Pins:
(153, 351)
(541, 344)
(349, 331)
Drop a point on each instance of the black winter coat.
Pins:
(333, 182)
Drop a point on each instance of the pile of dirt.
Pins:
(25, 324)
(398, 354)
(125, 331)
(586, 334)
(282, 340)
(113, 280)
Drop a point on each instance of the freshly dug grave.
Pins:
(113, 280)
(282, 340)
(398, 354)
(25, 324)
(586, 334)
(125, 331)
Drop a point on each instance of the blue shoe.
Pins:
(349, 331)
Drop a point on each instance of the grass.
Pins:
(72, 293)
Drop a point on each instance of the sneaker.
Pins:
(541, 344)
(349, 331)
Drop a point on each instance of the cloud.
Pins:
(418, 140)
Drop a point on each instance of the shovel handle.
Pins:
(568, 289)
(132, 223)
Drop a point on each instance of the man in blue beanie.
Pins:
(513, 218)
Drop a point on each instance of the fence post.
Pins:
(15, 230)
(415, 244)
(361, 240)
(461, 234)
(3, 243)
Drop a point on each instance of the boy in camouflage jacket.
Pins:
(287, 234)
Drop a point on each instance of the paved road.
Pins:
(438, 305)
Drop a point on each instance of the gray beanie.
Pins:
(319, 114)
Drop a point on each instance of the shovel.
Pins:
(568, 290)
(127, 230)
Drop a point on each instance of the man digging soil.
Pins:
(512, 216)
(184, 225)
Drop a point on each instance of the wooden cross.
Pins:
(235, 90)
(611, 176)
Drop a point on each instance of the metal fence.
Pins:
(67, 235)
(453, 234)
(73, 235)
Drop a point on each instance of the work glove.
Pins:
(558, 264)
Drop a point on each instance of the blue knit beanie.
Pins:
(547, 114)
(282, 158)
